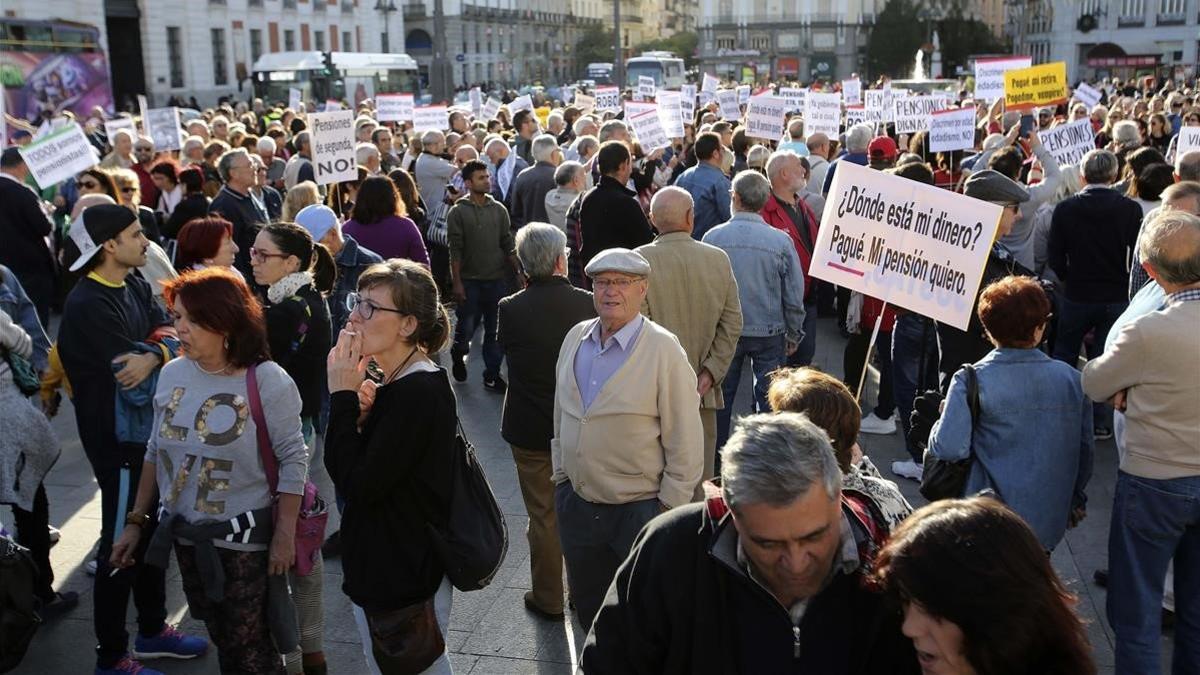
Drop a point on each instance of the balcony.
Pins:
(1177, 19)
(347, 6)
(1131, 21)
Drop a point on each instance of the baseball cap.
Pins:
(882, 147)
(96, 225)
(318, 219)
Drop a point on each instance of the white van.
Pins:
(664, 67)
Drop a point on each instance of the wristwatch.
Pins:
(135, 518)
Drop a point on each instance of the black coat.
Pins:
(243, 211)
(300, 336)
(192, 206)
(611, 217)
(959, 347)
(531, 329)
(23, 231)
(1091, 244)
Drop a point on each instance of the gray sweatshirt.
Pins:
(205, 448)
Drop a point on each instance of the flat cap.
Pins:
(618, 260)
(992, 186)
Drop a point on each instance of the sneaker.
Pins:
(1103, 433)
(496, 384)
(908, 469)
(873, 425)
(90, 567)
(169, 643)
(55, 535)
(127, 666)
(332, 547)
(61, 604)
(460, 367)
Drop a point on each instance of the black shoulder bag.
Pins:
(942, 479)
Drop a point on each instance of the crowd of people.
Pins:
(217, 314)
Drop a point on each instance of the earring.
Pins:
(226, 344)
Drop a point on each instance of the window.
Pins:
(1132, 12)
(289, 40)
(175, 56)
(347, 43)
(725, 42)
(1171, 6)
(255, 44)
(319, 40)
(220, 76)
(762, 42)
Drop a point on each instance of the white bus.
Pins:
(666, 69)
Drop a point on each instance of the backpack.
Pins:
(475, 541)
(18, 616)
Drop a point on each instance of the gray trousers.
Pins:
(595, 540)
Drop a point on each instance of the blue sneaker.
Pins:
(170, 643)
(127, 666)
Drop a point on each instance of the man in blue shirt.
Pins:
(858, 137)
(707, 184)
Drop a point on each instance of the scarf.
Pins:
(287, 286)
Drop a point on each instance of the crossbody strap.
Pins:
(270, 465)
(973, 403)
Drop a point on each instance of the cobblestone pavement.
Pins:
(491, 633)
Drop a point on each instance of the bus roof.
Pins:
(345, 61)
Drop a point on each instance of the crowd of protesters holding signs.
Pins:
(230, 289)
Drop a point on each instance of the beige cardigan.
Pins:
(641, 438)
(1157, 360)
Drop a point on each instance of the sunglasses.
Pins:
(128, 190)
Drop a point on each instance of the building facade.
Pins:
(758, 40)
(1110, 38)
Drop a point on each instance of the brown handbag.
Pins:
(405, 640)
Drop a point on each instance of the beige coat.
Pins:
(693, 294)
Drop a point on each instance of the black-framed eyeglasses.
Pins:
(365, 308)
(260, 255)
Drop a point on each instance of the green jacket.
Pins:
(480, 238)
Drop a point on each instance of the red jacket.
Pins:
(777, 218)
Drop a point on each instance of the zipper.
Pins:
(796, 642)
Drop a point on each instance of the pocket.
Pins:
(1151, 511)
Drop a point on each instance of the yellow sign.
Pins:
(1037, 86)
(543, 115)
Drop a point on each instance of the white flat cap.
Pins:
(618, 260)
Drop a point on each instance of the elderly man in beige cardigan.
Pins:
(627, 440)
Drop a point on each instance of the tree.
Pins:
(594, 46)
(897, 35)
(962, 38)
(681, 44)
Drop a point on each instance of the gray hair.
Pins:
(1187, 165)
(566, 172)
(756, 157)
(778, 160)
(581, 125)
(543, 147)
(539, 246)
(752, 189)
(586, 145)
(1184, 189)
(609, 128)
(1126, 133)
(266, 143)
(859, 137)
(432, 138)
(775, 459)
(1099, 167)
(795, 129)
(1164, 245)
(302, 140)
(227, 159)
(363, 152)
(493, 142)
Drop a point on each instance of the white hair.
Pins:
(778, 160)
(543, 147)
(581, 124)
(492, 142)
(432, 138)
(266, 143)
(363, 152)
(859, 137)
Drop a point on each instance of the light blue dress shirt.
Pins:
(596, 363)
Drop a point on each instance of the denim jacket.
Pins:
(15, 303)
(710, 192)
(768, 273)
(1033, 442)
(351, 261)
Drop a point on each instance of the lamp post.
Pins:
(386, 8)
(618, 62)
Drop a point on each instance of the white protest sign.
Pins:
(764, 117)
(648, 129)
(585, 103)
(476, 99)
(951, 130)
(670, 113)
(855, 114)
(143, 106)
(332, 105)
(332, 137)
(58, 156)
(710, 84)
(822, 114)
(989, 75)
(1189, 140)
(645, 87)
(294, 99)
(394, 107)
(3, 121)
(608, 98)
(727, 99)
(687, 103)
(1088, 95)
(1069, 142)
(520, 103)
(794, 96)
(490, 108)
(112, 126)
(877, 105)
(430, 118)
(909, 244)
(743, 93)
(162, 125)
(912, 113)
(852, 91)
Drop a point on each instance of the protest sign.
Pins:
(822, 114)
(394, 107)
(907, 243)
(162, 125)
(568, 95)
(705, 97)
(143, 106)
(1069, 142)
(332, 105)
(332, 136)
(728, 100)
(989, 75)
(543, 116)
(852, 91)
(59, 156)
(429, 118)
(670, 113)
(1088, 95)
(687, 102)
(585, 103)
(112, 126)
(476, 99)
(912, 113)
(877, 105)
(608, 98)
(764, 117)
(1189, 140)
(856, 114)
(1037, 86)
(648, 129)
(951, 130)
(295, 100)
(490, 108)
(793, 96)
(710, 84)
(743, 94)
(520, 103)
(645, 87)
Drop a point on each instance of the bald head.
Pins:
(1170, 249)
(671, 210)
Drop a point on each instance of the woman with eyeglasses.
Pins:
(298, 273)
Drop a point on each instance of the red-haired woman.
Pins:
(206, 242)
(203, 462)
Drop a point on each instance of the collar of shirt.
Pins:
(624, 335)
(1186, 295)
(11, 177)
(747, 217)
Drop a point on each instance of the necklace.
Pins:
(219, 371)
(400, 368)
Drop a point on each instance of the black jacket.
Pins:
(529, 194)
(192, 206)
(23, 229)
(531, 329)
(611, 217)
(680, 603)
(247, 215)
(1091, 244)
(299, 336)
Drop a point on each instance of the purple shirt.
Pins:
(392, 237)
(595, 364)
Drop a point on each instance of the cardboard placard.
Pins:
(162, 126)
(1035, 87)
(112, 126)
(951, 130)
(989, 75)
(822, 113)
(585, 103)
(332, 105)
(1189, 141)
(687, 102)
(295, 99)
(608, 98)
(670, 112)
(1088, 95)
(727, 99)
(476, 99)
(394, 107)
(645, 88)
(490, 109)
(710, 84)
(856, 114)
(648, 130)
(59, 155)
(852, 91)
(1069, 142)
(333, 143)
(764, 117)
(520, 103)
(912, 113)
(430, 118)
(794, 97)
(743, 94)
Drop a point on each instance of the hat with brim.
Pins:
(96, 225)
(618, 260)
(990, 185)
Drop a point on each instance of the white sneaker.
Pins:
(55, 534)
(90, 567)
(873, 425)
(908, 469)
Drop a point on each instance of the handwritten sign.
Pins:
(394, 107)
(710, 84)
(727, 99)
(333, 146)
(743, 93)
(764, 117)
(295, 99)
(822, 113)
(490, 109)
(645, 87)
(59, 155)
(670, 113)
(687, 102)
(1189, 141)
(162, 125)
(1088, 95)
(585, 103)
(852, 91)
(855, 114)
(648, 129)
(608, 98)
(912, 113)
(794, 96)
(951, 130)
(520, 103)
(1035, 87)
(430, 118)
(1069, 142)
(989, 75)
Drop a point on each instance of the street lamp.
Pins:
(386, 8)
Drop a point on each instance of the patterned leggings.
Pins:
(237, 624)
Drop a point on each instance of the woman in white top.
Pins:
(165, 174)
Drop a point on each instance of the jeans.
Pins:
(1153, 521)
(854, 360)
(1075, 319)
(766, 354)
(482, 300)
(914, 340)
(803, 355)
